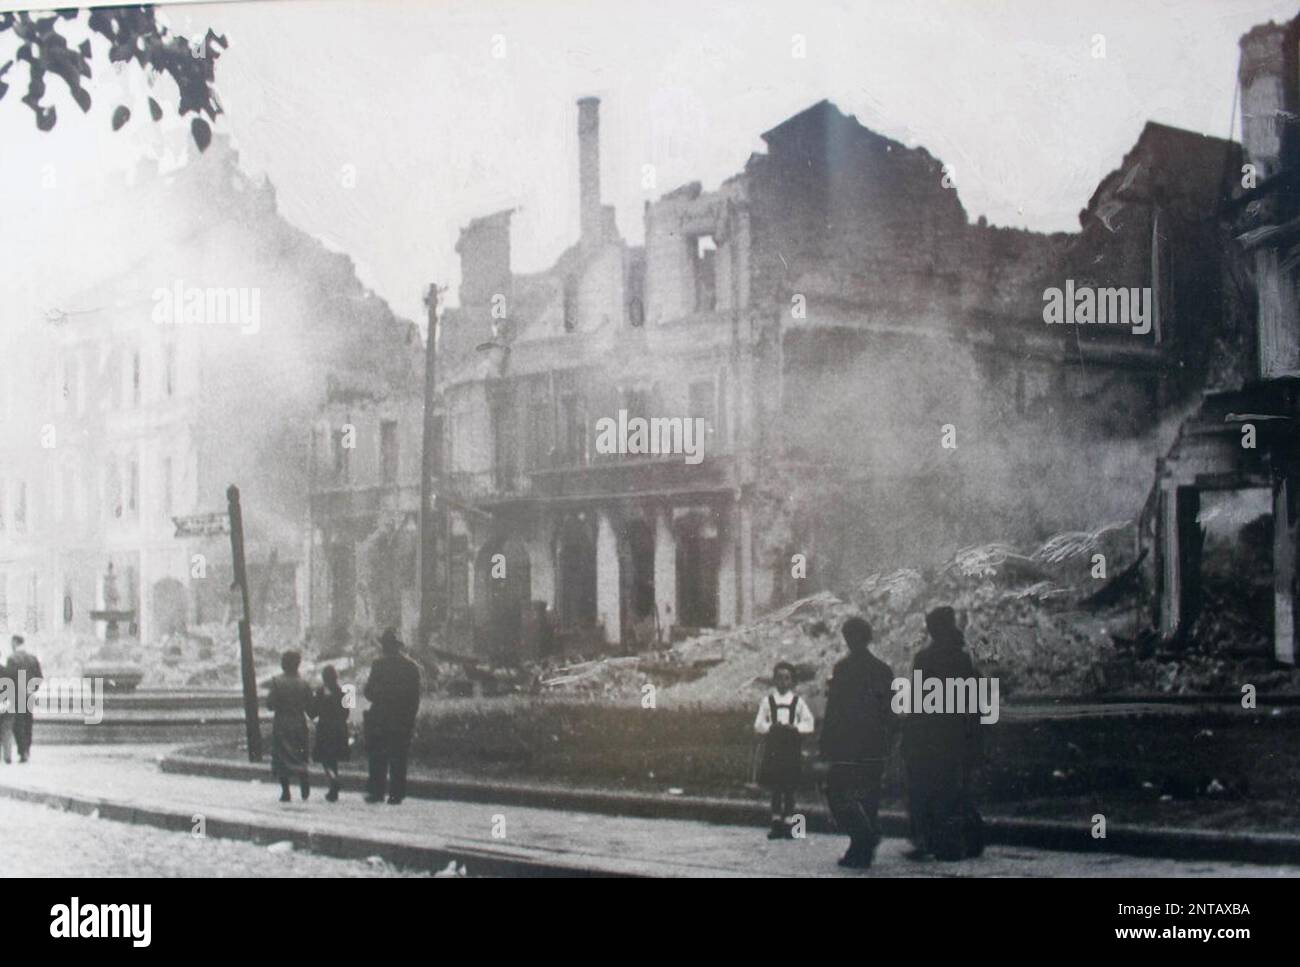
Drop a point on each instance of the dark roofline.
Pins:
(821, 107)
(1152, 129)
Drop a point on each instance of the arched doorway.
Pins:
(503, 585)
(575, 558)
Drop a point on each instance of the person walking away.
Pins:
(940, 751)
(331, 714)
(8, 690)
(393, 690)
(290, 700)
(783, 720)
(857, 735)
(22, 668)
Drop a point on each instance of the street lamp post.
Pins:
(428, 462)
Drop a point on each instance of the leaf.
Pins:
(85, 49)
(154, 110)
(202, 133)
(121, 116)
(82, 97)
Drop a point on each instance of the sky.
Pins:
(386, 125)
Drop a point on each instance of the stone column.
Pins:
(665, 572)
(607, 579)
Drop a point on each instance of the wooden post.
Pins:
(246, 668)
(1171, 584)
(1284, 570)
(428, 460)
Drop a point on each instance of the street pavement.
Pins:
(490, 837)
(40, 841)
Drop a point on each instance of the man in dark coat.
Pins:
(393, 690)
(857, 734)
(940, 751)
(20, 718)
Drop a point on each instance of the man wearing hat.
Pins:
(393, 690)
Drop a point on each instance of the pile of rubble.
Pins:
(1045, 622)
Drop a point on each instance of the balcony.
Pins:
(632, 477)
(364, 501)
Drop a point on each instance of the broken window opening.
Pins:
(573, 430)
(505, 442)
(340, 457)
(703, 404)
(388, 452)
(704, 252)
(570, 304)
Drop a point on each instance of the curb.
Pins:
(1152, 842)
(338, 846)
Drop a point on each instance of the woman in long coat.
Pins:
(330, 710)
(940, 752)
(291, 701)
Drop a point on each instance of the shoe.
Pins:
(22, 759)
(284, 796)
(856, 861)
(394, 800)
(776, 833)
(374, 799)
(306, 792)
(333, 794)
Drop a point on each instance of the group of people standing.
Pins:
(857, 738)
(858, 733)
(393, 691)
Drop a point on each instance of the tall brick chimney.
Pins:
(589, 168)
(1265, 73)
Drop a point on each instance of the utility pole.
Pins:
(247, 671)
(428, 462)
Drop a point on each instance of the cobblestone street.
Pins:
(41, 841)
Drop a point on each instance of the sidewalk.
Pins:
(124, 783)
(1072, 836)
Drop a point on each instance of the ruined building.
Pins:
(129, 404)
(874, 373)
(1243, 436)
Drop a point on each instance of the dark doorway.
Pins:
(576, 575)
(699, 556)
(637, 585)
(504, 584)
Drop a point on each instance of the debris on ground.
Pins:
(1035, 620)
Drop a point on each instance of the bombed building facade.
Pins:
(873, 373)
(1242, 437)
(140, 387)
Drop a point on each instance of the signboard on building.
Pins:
(202, 525)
